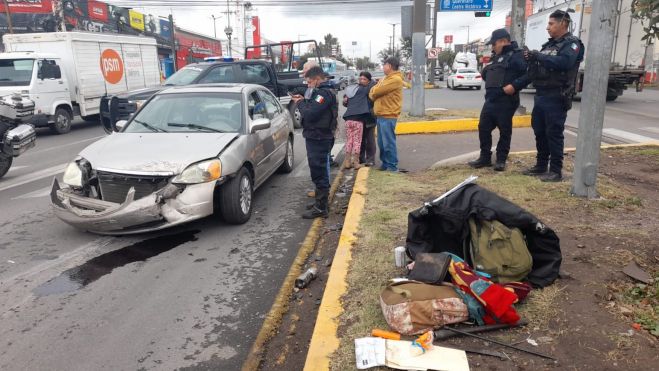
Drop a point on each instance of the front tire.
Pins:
(62, 124)
(236, 198)
(5, 164)
(289, 159)
(296, 115)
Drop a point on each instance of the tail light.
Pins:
(459, 77)
(478, 76)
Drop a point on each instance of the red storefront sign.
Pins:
(28, 6)
(97, 10)
(193, 49)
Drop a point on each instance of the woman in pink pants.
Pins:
(356, 117)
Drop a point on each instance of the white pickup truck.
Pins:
(67, 73)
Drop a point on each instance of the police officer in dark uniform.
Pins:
(553, 71)
(503, 81)
(319, 109)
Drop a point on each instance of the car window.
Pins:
(255, 107)
(184, 76)
(219, 74)
(181, 112)
(271, 105)
(255, 73)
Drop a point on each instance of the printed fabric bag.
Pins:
(412, 307)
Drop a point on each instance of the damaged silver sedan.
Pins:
(187, 153)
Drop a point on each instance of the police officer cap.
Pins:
(561, 15)
(498, 34)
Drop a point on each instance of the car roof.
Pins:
(212, 88)
(217, 63)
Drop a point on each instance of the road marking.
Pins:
(28, 178)
(651, 129)
(436, 109)
(63, 145)
(43, 192)
(627, 136)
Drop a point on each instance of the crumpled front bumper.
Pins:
(167, 207)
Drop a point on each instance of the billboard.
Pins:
(28, 6)
(136, 19)
(97, 11)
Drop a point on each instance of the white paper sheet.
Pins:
(370, 352)
(437, 358)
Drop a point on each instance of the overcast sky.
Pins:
(364, 23)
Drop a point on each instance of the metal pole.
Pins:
(433, 63)
(517, 21)
(173, 41)
(591, 117)
(214, 26)
(615, 42)
(629, 36)
(418, 107)
(9, 24)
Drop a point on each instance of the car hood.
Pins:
(143, 94)
(155, 152)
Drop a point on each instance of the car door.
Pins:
(223, 73)
(258, 73)
(50, 86)
(261, 142)
(278, 126)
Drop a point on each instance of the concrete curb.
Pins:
(447, 126)
(324, 340)
(462, 159)
(282, 300)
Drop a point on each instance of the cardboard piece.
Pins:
(437, 358)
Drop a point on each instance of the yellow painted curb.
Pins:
(446, 126)
(324, 340)
(652, 143)
(280, 305)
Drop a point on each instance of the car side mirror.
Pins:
(120, 125)
(260, 124)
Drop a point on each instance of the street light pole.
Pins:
(467, 45)
(418, 107)
(215, 25)
(393, 38)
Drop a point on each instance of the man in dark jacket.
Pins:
(554, 72)
(319, 110)
(503, 81)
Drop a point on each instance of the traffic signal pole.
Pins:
(418, 59)
(591, 116)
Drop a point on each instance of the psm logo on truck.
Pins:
(112, 66)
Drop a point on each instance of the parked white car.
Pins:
(464, 77)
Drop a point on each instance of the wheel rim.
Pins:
(298, 115)
(62, 121)
(245, 195)
(289, 154)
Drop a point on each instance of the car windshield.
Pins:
(184, 76)
(16, 72)
(467, 71)
(189, 112)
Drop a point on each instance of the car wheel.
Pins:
(478, 88)
(62, 124)
(5, 164)
(452, 85)
(289, 159)
(296, 115)
(236, 198)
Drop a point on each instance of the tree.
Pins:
(647, 11)
(386, 53)
(364, 64)
(446, 57)
(342, 59)
(329, 42)
(406, 49)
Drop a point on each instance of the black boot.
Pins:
(500, 165)
(482, 161)
(536, 170)
(552, 176)
(321, 207)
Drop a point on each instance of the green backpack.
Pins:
(498, 251)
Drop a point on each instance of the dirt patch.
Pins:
(593, 317)
(287, 350)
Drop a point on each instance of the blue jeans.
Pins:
(548, 122)
(387, 143)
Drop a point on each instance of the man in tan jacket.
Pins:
(387, 97)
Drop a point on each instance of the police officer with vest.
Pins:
(504, 78)
(553, 71)
(319, 109)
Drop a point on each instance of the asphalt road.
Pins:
(631, 118)
(193, 296)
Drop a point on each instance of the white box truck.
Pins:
(67, 73)
(628, 49)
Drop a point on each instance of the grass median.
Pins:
(598, 238)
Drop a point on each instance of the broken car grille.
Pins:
(114, 187)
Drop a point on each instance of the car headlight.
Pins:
(200, 172)
(73, 175)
